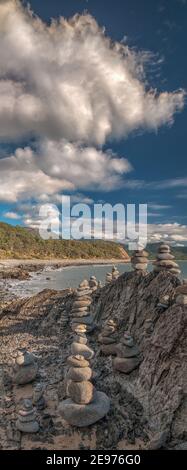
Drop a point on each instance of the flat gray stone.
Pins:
(166, 256)
(109, 349)
(77, 361)
(126, 365)
(78, 374)
(81, 393)
(86, 320)
(181, 299)
(140, 266)
(85, 415)
(82, 349)
(27, 427)
(24, 374)
(126, 351)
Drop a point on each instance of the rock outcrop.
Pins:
(148, 405)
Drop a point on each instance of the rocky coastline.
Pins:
(147, 404)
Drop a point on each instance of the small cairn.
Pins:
(100, 285)
(93, 283)
(108, 338)
(128, 355)
(26, 421)
(108, 278)
(79, 345)
(164, 260)
(84, 405)
(139, 260)
(181, 293)
(115, 273)
(25, 367)
(81, 306)
(38, 399)
(164, 301)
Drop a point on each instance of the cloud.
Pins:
(68, 80)
(173, 232)
(58, 166)
(11, 215)
(71, 89)
(158, 206)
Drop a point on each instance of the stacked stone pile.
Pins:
(93, 284)
(139, 260)
(26, 421)
(115, 273)
(84, 405)
(108, 338)
(128, 355)
(38, 399)
(181, 293)
(81, 306)
(108, 278)
(165, 260)
(25, 368)
(99, 284)
(79, 345)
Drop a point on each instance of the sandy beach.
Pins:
(13, 263)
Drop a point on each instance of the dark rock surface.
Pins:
(148, 406)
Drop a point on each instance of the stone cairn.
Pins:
(139, 260)
(26, 421)
(128, 355)
(181, 293)
(115, 273)
(108, 338)
(164, 260)
(79, 345)
(84, 405)
(93, 284)
(81, 307)
(38, 399)
(108, 278)
(164, 301)
(99, 285)
(25, 367)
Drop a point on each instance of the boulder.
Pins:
(85, 415)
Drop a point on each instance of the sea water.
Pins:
(71, 276)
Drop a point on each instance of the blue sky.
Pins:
(154, 155)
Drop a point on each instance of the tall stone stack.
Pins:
(181, 294)
(84, 405)
(25, 368)
(26, 421)
(81, 307)
(128, 355)
(108, 338)
(115, 273)
(139, 260)
(93, 284)
(108, 278)
(79, 345)
(165, 260)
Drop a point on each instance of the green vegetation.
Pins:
(21, 243)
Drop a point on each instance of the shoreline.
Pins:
(13, 263)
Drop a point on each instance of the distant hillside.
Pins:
(19, 243)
